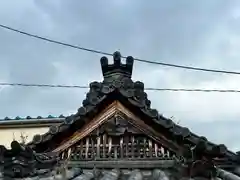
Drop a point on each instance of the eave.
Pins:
(30, 123)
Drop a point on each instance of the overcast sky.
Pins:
(203, 33)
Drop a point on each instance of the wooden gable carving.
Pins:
(117, 141)
(116, 134)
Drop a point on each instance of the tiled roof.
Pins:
(115, 174)
(31, 121)
(29, 117)
(197, 155)
(22, 162)
(118, 85)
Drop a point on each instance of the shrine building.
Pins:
(115, 135)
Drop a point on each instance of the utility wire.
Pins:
(109, 54)
(43, 85)
(148, 89)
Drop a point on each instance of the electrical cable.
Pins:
(147, 89)
(109, 54)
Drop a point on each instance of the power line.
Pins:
(148, 89)
(194, 90)
(55, 41)
(109, 54)
(43, 85)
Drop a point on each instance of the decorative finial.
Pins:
(117, 68)
(117, 58)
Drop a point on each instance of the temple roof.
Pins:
(118, 85)
(21, 162)
(117, 90)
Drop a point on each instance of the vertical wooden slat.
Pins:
(87, 148)
(168, 153)
(62, 155)
(126, 141)
(98, 146)
(115, 152)
(104, 145)
(121, 147)
(78, 153)
(75, 153)
(81, 150)
(150, 147)
(69, 153)
(162, 151)
(139, 147)
(92, 149)
(144, 147)
(109, 146)
(156, 149)
(132, 147)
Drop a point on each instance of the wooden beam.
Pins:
(112, 164)
(149, 131)
(88, 128)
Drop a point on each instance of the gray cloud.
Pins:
(198, 33)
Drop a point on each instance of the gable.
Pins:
(121, 135)
(114, 110)
(117, 86)
(117, 141)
